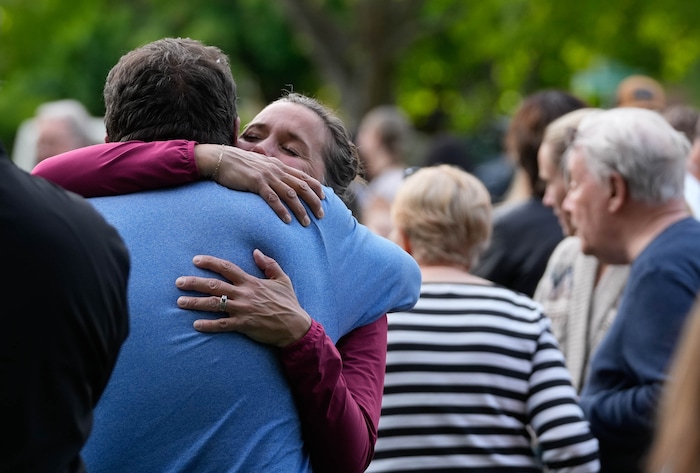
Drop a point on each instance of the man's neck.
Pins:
(648, 221)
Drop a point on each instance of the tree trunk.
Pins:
(356, 50)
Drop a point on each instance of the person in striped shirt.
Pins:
(475, 380)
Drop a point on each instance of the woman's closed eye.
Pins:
(252, 137)
(291, 151)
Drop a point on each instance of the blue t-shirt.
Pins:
(629, 367)
(180, 400)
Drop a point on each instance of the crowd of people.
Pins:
(290, 296)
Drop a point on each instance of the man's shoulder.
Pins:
(677, 238)
(203, 195)
(675, 251)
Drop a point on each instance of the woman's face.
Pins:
(290, 132)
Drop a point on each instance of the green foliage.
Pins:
(50, 51)
(492, 53)
(455, 64)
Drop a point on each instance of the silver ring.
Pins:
(222, 303)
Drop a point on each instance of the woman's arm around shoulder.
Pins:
(133, 166)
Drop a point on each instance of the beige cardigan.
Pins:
(581, 311)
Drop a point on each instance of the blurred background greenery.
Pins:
(454, 65)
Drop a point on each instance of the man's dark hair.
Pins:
(173, 88)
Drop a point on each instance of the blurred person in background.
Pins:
(686, 119)
(383, 137)
(578, 293)
(683, 118)
(640, 91)
(473, 368)
(57, 127)
(525, 232)
(475, 156)
(449, 149)
(692, 191)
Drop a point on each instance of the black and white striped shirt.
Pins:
(471, 371)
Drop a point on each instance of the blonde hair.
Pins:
(676, 446)
(559, 133)
(445, 213)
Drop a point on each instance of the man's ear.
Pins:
(618, 192)
(107, 139)
(236, 129)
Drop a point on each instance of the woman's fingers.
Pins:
(306, 188)
(210, 286)
(269, 266)
(264, 309)
(205, 304)
(283, 187)
(295, 189)
(225, 268)
(224, 324)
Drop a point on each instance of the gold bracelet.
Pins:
(218, 163)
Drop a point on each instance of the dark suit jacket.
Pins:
(524, 236)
